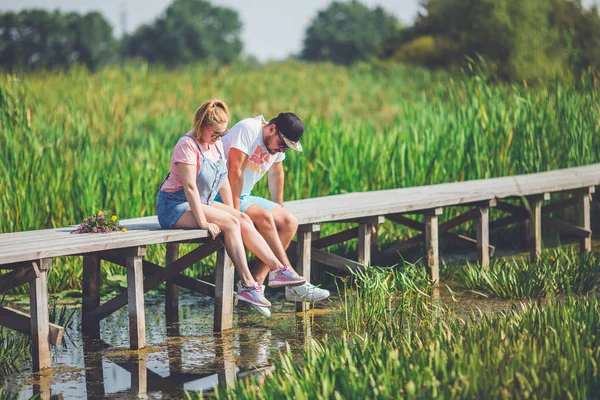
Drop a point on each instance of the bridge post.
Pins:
(585, 216)
(367, 231)
(40, 319)
(90, 299)
(135, 297)
(483, 234)
(224, 276)
(432, 254)
(303, 259)
(172, 294)
(533, 225)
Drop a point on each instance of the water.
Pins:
(184, 357)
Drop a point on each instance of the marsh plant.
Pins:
(557, 271)
(530, 351)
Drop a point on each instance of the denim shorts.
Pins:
(170, 207)
(246, 201)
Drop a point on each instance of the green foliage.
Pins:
(189, 30)
(346, 32)
(520, 40)
(556, 272)
(33, 39)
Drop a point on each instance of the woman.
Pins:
(197, 174)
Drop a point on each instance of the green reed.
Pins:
(74, 142)
(556, 272)
(531, 351)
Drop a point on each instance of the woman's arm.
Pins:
(225, 193)
(187, 172)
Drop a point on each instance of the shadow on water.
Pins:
(182, 357)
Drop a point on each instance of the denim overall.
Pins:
(210, 178)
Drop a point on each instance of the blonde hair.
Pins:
(211, 112)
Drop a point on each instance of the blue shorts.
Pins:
(170, 207)
(246, 201)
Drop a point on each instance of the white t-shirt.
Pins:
(246, 136)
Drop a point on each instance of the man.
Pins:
(253, 148)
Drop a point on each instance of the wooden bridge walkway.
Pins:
(28, 255)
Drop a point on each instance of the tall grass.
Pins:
(531, 351)
(556, 272)
(74, 142)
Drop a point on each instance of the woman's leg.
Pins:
(230, 226)
(252, 238)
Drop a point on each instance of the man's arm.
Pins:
(237, 164)
(276, 177)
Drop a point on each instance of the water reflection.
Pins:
(180, 357)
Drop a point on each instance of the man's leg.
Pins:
(267, 223)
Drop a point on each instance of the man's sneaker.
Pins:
(252, 294)
(306, 292)
(263, 310)
(285, 276)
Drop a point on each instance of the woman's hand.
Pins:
(213, 229)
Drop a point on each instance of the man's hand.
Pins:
(276, 180)
(237, 164)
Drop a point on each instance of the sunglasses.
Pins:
(215, 135)
(282, 145)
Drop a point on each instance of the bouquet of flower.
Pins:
(100, 223)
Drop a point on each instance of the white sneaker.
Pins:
(306, 292)
(263, 310)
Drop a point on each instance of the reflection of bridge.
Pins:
(222, 370)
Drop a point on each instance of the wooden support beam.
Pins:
(533, 225)
(483, 236)
(585, 218)
(303, 253)
(388, 253)
(511, 208)
(411, 223)
(559, 205)
(90, 300)
(21, 322)
(25, 273)
(502, 222)
(155, 280)
(571, 229)
(135, 300)
(328, 259)
(365, 232)
(40, 319)
(171, 290)
(462, 240)
(224, 277)
(336, 238)
(432, 258)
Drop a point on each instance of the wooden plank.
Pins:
(155, 280)
(40, 322)
(171, 290)
(483, 236)
(90, 300)
(224, 277)
(432, 247)
(135, 300)
(585, 219)
(21, 322)
(303, 252)
(336, 238)
(411, 223)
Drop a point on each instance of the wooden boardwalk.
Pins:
(29, 255)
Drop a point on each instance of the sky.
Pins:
(272, 29)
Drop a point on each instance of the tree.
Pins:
(189, 30)
(41, 39)
(347, 32)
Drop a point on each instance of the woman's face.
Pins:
(213, 132)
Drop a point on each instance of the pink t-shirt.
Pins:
(186, 152)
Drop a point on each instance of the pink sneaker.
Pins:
(285, 276)
(252, 294)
